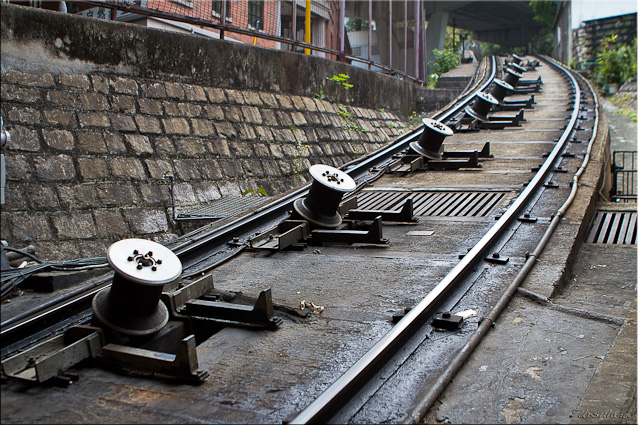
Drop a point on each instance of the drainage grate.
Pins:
(618, 228)
(433, 203)
(223, 208)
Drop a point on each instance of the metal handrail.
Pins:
(252, 33)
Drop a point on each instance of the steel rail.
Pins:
(345, 387)
(198, 249)
(433, 392)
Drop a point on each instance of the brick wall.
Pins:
(92, 145)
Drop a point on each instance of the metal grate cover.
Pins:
(433, 203)
(618, 228)
(223, 208)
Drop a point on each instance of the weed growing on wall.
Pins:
(259, 192)
(351, 124)
(340, 80)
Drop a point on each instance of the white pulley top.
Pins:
(332, 178)
(144, 262)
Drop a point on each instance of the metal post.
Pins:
(223, 15)
(308, 26)
(369, 33)
(294, 25)
(425, 46)
(417, 35)
(390, 32)
(453, 33)
(405, 36)
(342, 30)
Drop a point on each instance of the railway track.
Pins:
(201, 251)
(475, 260)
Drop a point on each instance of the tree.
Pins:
(544, 12)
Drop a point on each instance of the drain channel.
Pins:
(617, 228)
(433, 203)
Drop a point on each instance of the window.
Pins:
(217, 8)
(256, 14)
(187, 3)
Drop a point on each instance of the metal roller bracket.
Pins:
(53, 357)
(183, 364)
(260, 315)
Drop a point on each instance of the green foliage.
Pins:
(626, 104)
(453, 37)
(356, 24)
(574, 64)
(351, 124)
(545, 43)
(255, 192)
(343, 112)
(628, 113)
(444, 60)
(544, 12)
(615, 63)
(415, 119)
(432, 79)
(490, 49)
(341, 79)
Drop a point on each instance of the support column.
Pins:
(435, 34)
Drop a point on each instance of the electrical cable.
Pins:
(11, 278)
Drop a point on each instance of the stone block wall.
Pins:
(112, 125)
(91, 156)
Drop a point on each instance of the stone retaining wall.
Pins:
(95, 150)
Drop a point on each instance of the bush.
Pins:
(615, 64)
(444, 60)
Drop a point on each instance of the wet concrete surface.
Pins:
(543, 365)
(623, 132)
(570, 361)
(265, 377)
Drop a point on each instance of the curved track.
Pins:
(204, 250)
(323, 408)
(357, 394)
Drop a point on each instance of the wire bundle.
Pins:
(11, 278)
